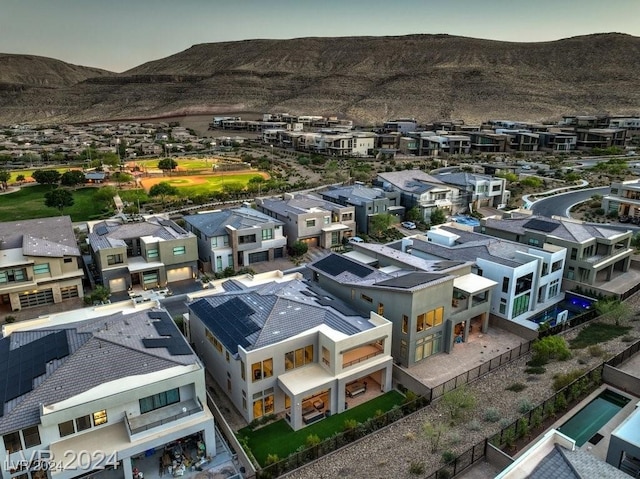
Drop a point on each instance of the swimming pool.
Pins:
(572, 303)
(593, 416)
(466, 220)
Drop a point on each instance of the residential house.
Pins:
(40, 263)
(423, 191)
(596, 254)
(401, 125)
(286, 347)
(147, 254)
(236, 238)
(488, 142)
(623, 199)
(103, 392)
(589, 138)
(310, 219)
(478, 190)
(557, 141)
(430, 303)
(436, 145)
(367, 202)
(528, 278)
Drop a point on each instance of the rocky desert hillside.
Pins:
(367, 79)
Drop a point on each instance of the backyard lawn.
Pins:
(28, 203)
(278, 438)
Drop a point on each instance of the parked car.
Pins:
(356, 239)
(410, 225)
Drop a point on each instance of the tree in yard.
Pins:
(233, 189)
(167, 164)
(414, 214)
(615, 309)
(457, 402)
(72, 178)
(163, 189)
(5, 176)
(105, 195)
(299, 248)
(47, 177)
(438, 217)
(58, 198)
(380, 223)
(20, 179)
(121, 177)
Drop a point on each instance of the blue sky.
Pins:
(119, 34)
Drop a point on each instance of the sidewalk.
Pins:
(528, 203)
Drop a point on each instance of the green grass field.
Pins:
(27, 173)
(28, 203)
(204, 184)
(183, 164)
(278, 438)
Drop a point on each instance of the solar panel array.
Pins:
(540, 225)
(335, 264)
(101, 230)
(20, 366)
(230, 321)
(172, 339)
(410, 280)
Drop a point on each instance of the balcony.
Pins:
(159, 417)
(361, 354)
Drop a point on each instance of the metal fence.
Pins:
(465, 460)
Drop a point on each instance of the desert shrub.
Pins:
(416, 468)
(504, 422)
(523, 427)
(444, 474)
(271, 459)
(448, 457)
(525, 405)
(410, 436)
(564, 379)
(535, 370)
(550, 409)
(9, 319)
(474, 425)
(312, 440)
(536, 418)
(596, 351)
(549, 348)
(433, 433)
(516, 387)
(561, 402)
(491, 414)
(458, 402)
(454, 438)
(509, 437)
(350, 424)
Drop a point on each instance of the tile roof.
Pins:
(259, 317)
(299, 204)
(100, 350)
(414, 181)
(355, 195)
(52, 237)
(113, 234)
(214, 223)
(461, 179)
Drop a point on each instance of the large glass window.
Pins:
(520, 305)
(66, 428)
(114, 259)
(428, 346)
(100, 417)
(83, 423)
(179, 250)
(429, 319)
(12, 275)
(31, 436)
(246, 239)
(262, 369)
(310, 223)
(41, 268)
(523, 283)
(267, 234)
(157, 401)
(12, 442)
(152, 253)
(505, 284)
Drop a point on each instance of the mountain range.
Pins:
(367, 79)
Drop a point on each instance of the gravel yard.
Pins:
(391, 452)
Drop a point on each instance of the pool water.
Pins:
(466, 220)
(593, 416)
(573, 304)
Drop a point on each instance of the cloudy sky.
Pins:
(119, 34)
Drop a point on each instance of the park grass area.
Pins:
(597, 333)
(184, 164)
(202, 184)
(27, 173)
(134, 196)
(28, 203)
(278, 437)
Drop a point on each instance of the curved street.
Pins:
(559, 204)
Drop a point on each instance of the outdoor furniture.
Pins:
(355, 389)
(313, 416)
(318, 404)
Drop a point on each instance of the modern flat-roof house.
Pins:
(595, 254)
(528, 278)
(423, 191)
(430, 303)
(236, 238)
(39, 263)
(478, 190)
(588, 138)
(367, 202)
(147, 254)
(116, 391)
(310, 219)
(288, 347)
(623, 199)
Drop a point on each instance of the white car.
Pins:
(410, 225)
(356, 239)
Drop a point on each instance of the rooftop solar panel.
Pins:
(540, 225)
(101, 230)
(335, 264)
(410, 280)
(173, 341)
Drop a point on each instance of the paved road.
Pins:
(559, 204)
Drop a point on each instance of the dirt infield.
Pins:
(180, 181)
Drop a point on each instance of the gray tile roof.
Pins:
(214, 223)
(554, 465)
(276, 311)
(355, 195)
(112, 234)
(100, 350)
(566, 230)
(461, 179)
(299, 204)
(590, 466)
(411, 261)
(413, 181)
(52, 237)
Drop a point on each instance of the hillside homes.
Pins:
(147, 254)
(102, 392)
(236, 238)
(478, 190)
(285, 347)
(40, 263)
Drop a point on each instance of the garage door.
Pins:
(117, 284)
(258, 257)
(178, 274)
(38, 298)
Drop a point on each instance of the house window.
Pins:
(310, 223)
(503, 306)
(429, 319)
(242, 370)
(327, 220)
(68, 260)
(520, 305)
(31, 436)
(403, 349)
(214, 242)
(366, 298)
(428, 346)
(505, 284)
(179, 250)
(41, 268)
(100, 417)
(66, 428)
(267, 234)
(534, 241)
(405, 323)
(225, 240)
(152, 253)
(263, 405)
(326, 356)
(574, 253)
(556, 266)
(230, 260)
(523, 283)
(218, 263)
(554, 288)
(299, 357)
(381, 309)
(114, 259)
(151, 403)
(12, 442)
(12, 275)
(226, 355)
(246, 239)
(83, 423)
(262, 369)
